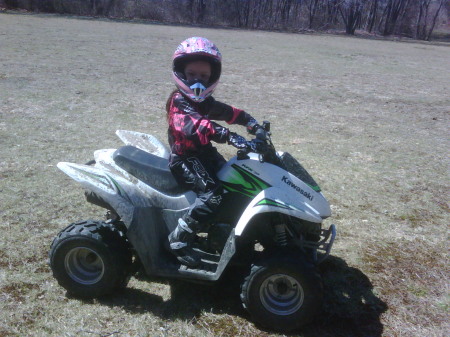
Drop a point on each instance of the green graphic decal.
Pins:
(119, 188)
(94, 176)
(280, 204)
(315, 188)
(245, 182)
(106, 182)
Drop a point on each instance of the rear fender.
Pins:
(275, 200)
(104, 161)
(113, 189)
(144, 142)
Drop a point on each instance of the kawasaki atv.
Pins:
(269, 227)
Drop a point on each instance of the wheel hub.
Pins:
(282, 288)
(84, 265)
(281, 294)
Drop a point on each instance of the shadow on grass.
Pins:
(187, 301)
(350, 306)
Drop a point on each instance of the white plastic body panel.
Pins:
(144, 142)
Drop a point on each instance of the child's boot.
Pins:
(181, 239)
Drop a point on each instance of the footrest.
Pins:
(212, 265)
(204, 268)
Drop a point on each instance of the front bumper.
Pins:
(324, 245)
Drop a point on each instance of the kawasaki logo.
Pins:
(298, 189)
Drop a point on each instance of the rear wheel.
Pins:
(91, 259)
(282, 293)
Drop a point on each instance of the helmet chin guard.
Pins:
(191, 50)
(196, 90)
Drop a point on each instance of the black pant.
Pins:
(200, 175)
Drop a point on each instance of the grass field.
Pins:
(369, 119)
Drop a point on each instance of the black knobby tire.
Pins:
(90, 259)
(282, 293)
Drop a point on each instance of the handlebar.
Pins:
(262, 145)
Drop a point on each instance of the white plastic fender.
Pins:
(113, 183)
(113, 189)
(144, 142)
(275, 200)
(93, 178)
(104, 161)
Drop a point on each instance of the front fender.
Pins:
(275, 200)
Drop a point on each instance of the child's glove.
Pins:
(257, 146)
(252, 126)
(237, 141)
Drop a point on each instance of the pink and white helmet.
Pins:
(196, 49)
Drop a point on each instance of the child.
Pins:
(194, 161)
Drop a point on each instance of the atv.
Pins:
(269, 227)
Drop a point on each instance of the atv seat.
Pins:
(150, 169)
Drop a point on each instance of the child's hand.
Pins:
(257, 146)
(253, 126)
(237, 141)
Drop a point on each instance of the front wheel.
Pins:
(90, 259)
(282, 293)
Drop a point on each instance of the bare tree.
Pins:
(312, 6)
(433, 23)
(372, 15)
(394, 10)
(415, 18)
(332, 13)
(425, 20)
(285, 11)
(198, 9)
(351, 12)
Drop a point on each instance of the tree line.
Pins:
(412, 18)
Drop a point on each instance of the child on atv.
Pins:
(194, 161)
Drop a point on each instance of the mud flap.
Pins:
(147, 234)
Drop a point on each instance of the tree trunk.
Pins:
(441, 3)
(372, 16)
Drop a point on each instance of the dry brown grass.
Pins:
(369, 119)
(412, 275)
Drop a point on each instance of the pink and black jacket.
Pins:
(191, 128)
